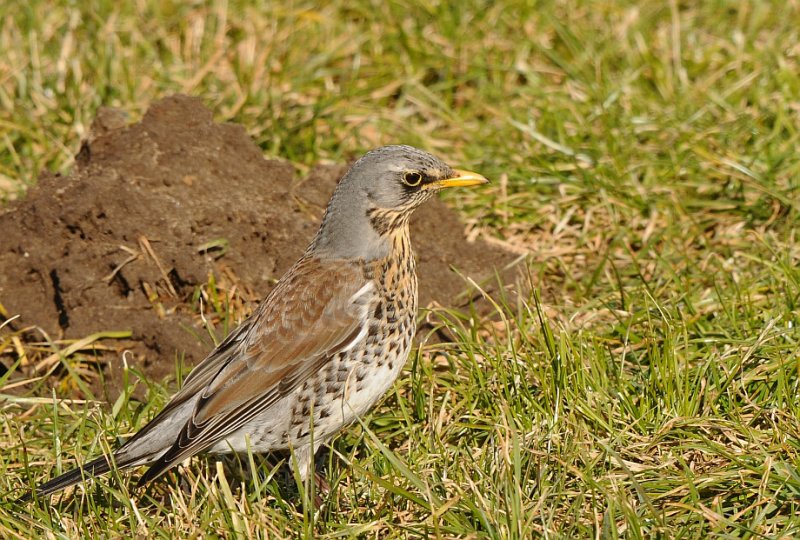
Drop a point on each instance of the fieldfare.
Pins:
(327, 342)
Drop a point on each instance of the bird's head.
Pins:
(400, 178)
(378, 194)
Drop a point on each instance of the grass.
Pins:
(645, 156)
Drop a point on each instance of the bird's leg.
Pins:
(321, 488)
(304, 457)
(321, 483)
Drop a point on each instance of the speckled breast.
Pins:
(352, 381)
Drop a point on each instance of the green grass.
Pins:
(644, 154)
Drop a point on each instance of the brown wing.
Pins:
(318, 309)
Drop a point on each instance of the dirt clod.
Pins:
(151, 208)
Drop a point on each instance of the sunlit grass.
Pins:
(644, 380)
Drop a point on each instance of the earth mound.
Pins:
(150, 209)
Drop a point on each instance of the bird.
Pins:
(325, 344)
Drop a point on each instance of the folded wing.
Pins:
(305, 321)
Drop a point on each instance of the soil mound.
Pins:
(151, 208)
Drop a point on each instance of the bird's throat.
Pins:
(388, 223)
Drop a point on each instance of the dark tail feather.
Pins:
(96, 467)
(154, 471)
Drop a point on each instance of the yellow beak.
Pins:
(461, 179)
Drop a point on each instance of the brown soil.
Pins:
(82, 253)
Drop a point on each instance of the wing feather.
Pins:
(310, 316)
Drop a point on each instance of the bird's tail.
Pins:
(96, 467)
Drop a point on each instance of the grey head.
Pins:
(377, 196)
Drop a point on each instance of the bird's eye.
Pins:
(411, 178)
